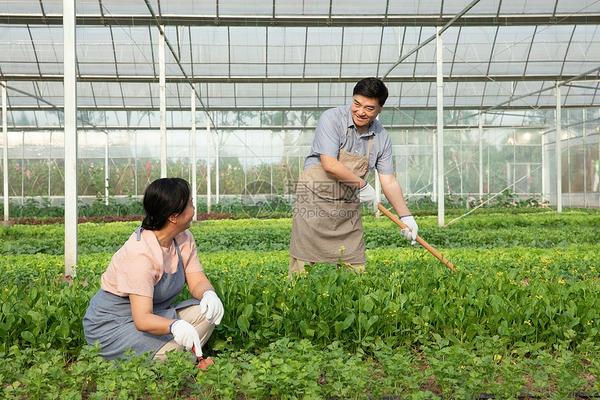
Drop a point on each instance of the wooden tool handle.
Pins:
(419, 239)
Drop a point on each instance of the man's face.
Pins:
(364, 110)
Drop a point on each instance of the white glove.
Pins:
(366, 193)
(410, 233)
(186, 335)
(211, 307)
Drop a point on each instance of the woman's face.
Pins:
(187, 215)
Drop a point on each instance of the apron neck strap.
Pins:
(178, 252)
(138, 233)
(138, 237)
(369, 143)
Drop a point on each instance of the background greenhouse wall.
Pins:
(265, 73)
(263, 153)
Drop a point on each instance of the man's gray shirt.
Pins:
(335, 130)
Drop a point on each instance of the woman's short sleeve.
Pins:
(131, 271)
(187, 247)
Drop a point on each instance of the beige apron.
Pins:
(326, 224)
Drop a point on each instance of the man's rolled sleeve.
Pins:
(327, 135)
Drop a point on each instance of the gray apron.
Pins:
(326, 223)
(108, 319)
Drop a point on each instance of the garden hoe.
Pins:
(419, 239)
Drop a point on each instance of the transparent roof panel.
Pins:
(21, 7)
(411, 7)
(529, 6)
(275, 93)
(247, 51)
(550, 43)
(358, 7)
(359, 57)
(303, 8)
(48, 42)
(285, 56)
(469, 49)
(245, 7)
(133, 50)
(584, 51)
(252, 95)
(513, 43)
(249, 95)
(16, 48)
(305, 94)
(583, 94)
(115, 7)
(488, 7)
(578, 7)
(301, 65)
(188, 7)
(324, 45)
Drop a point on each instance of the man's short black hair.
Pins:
(373, 88)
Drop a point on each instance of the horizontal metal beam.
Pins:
(582, 87)
(294, 79)
(475, 107)
(316, 20)
(267, 128)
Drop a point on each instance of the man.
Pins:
(349, 141)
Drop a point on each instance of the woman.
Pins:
(133, 308)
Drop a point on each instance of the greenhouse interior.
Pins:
(494, 118)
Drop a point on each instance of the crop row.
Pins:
(289, 369)
(541, 230)
(548, 297)
(521, 317)
(511, 322)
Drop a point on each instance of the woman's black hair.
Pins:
(373, 88)
(163, 198)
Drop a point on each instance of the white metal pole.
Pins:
(558, 152)
(480, 157)
(544, 170)
(22, 168)
(50, 166)
(377, 194)
(434, 167)
(208, 167)
(440, 128)
(217, 169)
(5, 151)
(106, 170)
(377, 191)
(208, 171)
(193, 155)
(70, 124)
(585, 160)
(527, 182)
(163, 103)
(245, 165)
(271, 167)
(568, 172)
(459, 164)
(135, 162)
(406, 185)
